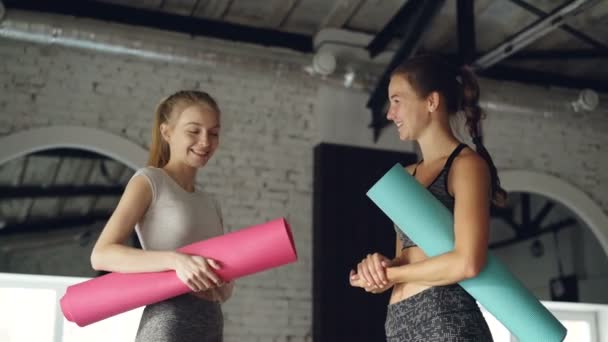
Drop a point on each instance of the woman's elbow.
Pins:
(472, 268)
(96, 260)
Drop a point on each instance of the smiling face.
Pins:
(407, 110)
(192, 135)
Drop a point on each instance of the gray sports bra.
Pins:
(439, 189)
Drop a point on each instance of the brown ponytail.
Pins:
(474, 114)
(165, 112)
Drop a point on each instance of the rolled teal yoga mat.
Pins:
(430, 225)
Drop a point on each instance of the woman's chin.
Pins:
(404, 137)
(198, 162)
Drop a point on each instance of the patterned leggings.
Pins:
(438, 314)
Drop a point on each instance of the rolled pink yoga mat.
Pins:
(240, 253)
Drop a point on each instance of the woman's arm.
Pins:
(110, 252)
(470, 180)
(225, 292)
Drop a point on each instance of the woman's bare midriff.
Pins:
(403, 291)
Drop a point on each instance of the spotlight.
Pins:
(588, 100)
(324, 63)
(349, 78)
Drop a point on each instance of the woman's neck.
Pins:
(184, 175)
(437, 142)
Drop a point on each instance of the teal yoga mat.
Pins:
(430, 225)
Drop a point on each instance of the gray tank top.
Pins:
(439, 189)
(176, 217)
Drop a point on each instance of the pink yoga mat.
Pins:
(240, 253)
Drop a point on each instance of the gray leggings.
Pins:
(438, 314)
(185, 318)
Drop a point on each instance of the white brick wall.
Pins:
(546, 136)
(273, 115)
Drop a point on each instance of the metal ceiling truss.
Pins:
(565, 27)
(530, 34)
(40, 191)
(38, 225)
(412, 20)
(486, 64)
(467, 40)
(530, 227)
(548, 22)
(563, 55)
(31, 193)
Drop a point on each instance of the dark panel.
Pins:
(348, 226)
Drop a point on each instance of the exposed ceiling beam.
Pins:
(68, 153)
(168, 22)
(532, 234)
(396, 25)
(528, 35)
(282, 12)
(31, 191)
(538, 219)
(23, 170)
(62, 201)
(176, 6)
(417, 16)
(48, 224)
(508, 219)
(525, 211)
(560, 55)
(566, 28)
(341, 13)
(542, 78)
(467, 42)
(213, 9)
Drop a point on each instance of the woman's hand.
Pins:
(357, 281)
(197, 272)
(208, 295)
(219, 294)
(372, 270)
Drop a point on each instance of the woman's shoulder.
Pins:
(469, 159)
(411, 167)
(152, 175)
(148, 171)
(470, 165)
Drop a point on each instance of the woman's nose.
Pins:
(389, 114)
(204, 140)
